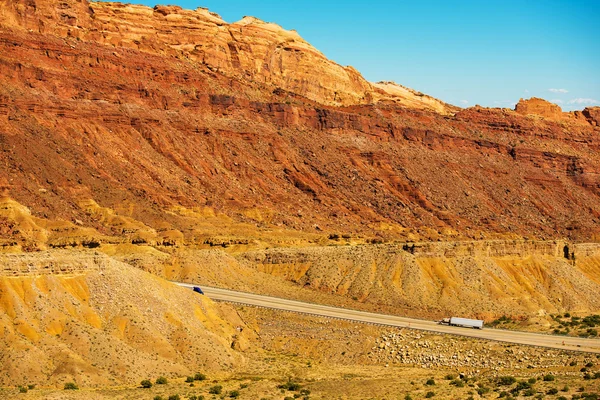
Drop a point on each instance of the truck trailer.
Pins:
(464, 322)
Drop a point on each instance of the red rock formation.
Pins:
(539, 107)
(144, 113)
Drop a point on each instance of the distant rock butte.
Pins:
(539, 107)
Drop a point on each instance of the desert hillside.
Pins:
(87, 318)
(133, 108)
(140, 145)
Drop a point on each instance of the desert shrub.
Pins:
(305, 392)
(502, 394)
(548, 378)
(23, 389)
(146, 384)
(217, 389)
(288, 398)
(589, 365)
(289, 385)
(199, 377)
(158, 397)
(430, 382)
(532, 380)
(506, 380)
(30, 387)
(161, 380)
(589, 396)
(483, 390)
(71, 386)
(189, 379)
(450, 377)
(243, 386)
(174, 397)
(408, 397)
(234, 394)
(561, 398)
(573, 363)
(587, 377)
(458, 383)
(565, 389)
(528, 392)
(429, 395)
(552, 391)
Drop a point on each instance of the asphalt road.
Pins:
(531, 339)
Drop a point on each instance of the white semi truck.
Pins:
(464, 322)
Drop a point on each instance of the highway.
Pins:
(516, 337)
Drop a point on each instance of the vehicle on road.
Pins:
(464, 322)
(197, 290)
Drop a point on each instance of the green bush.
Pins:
(199, 377)
(502, 394)
(450, 377)
(532, 380)
(23, 389)
(158, 397)
(146, 384)
(189, 379)
(408, 397)
(161, 380)
(483, 390)
(289, 385)
(561, 398)
(506, 380)
(174, 397)
(217, 389)
(305, 392)
(430, 382)
(528, 392)
(458, 383)
(234, 394)
(552, 391)
(429, 395)
(548, 378)
(71, 386)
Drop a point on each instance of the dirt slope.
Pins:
(101, 322)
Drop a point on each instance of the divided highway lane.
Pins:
(531, 339)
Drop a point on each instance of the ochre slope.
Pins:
(99, 322)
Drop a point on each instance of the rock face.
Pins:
(539, 107)
(121, 116)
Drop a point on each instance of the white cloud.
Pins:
(526, 91)
(558, 90)
(580, 100)
(465, 102)
(556, 101)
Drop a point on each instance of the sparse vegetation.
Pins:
(199, 377)
(430, 382)
(217, 389)
(430, 395)
(71, 386)
(161, 380)
(549, 378)
(289, 385)
(506, 380)
(146, 384)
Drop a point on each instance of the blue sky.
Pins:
(466, 52)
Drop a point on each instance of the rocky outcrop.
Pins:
(541, 107)
(131, 118)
